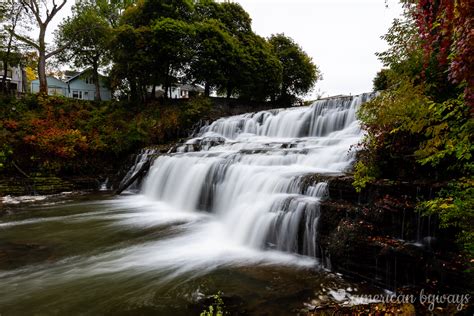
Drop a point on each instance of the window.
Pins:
(86, 95)
(76, 94)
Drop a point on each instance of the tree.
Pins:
(299, 72)
(41, 13)
(111, 10)
(152, 45)
(91, 33)
(259, 74)
(11, 12)
(172, 43)
(382, 80)
(132, 68)
(235, 18)
(214, 52)
(148, 11)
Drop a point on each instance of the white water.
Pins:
(248, 171)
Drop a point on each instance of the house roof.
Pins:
(71, 73)
(52, 82)
(190, 87)
(78, 74)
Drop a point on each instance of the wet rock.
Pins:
(378, 236)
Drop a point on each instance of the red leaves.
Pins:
(446, 28)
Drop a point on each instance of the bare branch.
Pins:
(54, 10)
(32, 6)
(24, 39)
(59, 49)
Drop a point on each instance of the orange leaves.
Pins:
(53, 140)
(64, 143)
(10, 124)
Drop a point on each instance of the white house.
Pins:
(16, 78)
(178, 91)
(77, 85)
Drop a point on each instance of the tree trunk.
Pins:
(96, 79)
(4, 77)
(229, 91)
(43, 88)
(133, 89)
(5, 64)
(207, 89)
(9, 48)
(153, 92)
(167, 84)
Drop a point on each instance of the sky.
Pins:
(341, 36)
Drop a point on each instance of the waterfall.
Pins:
(140, 160)
(247, 171)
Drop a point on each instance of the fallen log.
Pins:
(135, 176)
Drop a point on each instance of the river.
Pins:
(225, 212)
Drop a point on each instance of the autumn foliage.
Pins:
(420, 126)
(446, 28)
(67, 136)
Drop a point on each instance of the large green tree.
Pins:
(133, 67)
(299, 72)
(214, 52)
(172, 38)
(91, 34)
(259, 72)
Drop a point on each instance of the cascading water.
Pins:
(247, 170)
(227, 211)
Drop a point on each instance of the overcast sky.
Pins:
(341, 36)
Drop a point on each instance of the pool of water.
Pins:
(133, 256)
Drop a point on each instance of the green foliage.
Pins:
(215, 53)
(448, 129)
(404, 121)
(171, 43)
(5, 152)
(299, 72)
(10, 55)
(394, 110)
(363, 175)
(404, 54)
(381, 80)
(195, 109)
(216, 308)
(260, 70)
(454, 207)
(86, 36)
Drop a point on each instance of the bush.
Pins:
(454, 206)
(63, 136)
